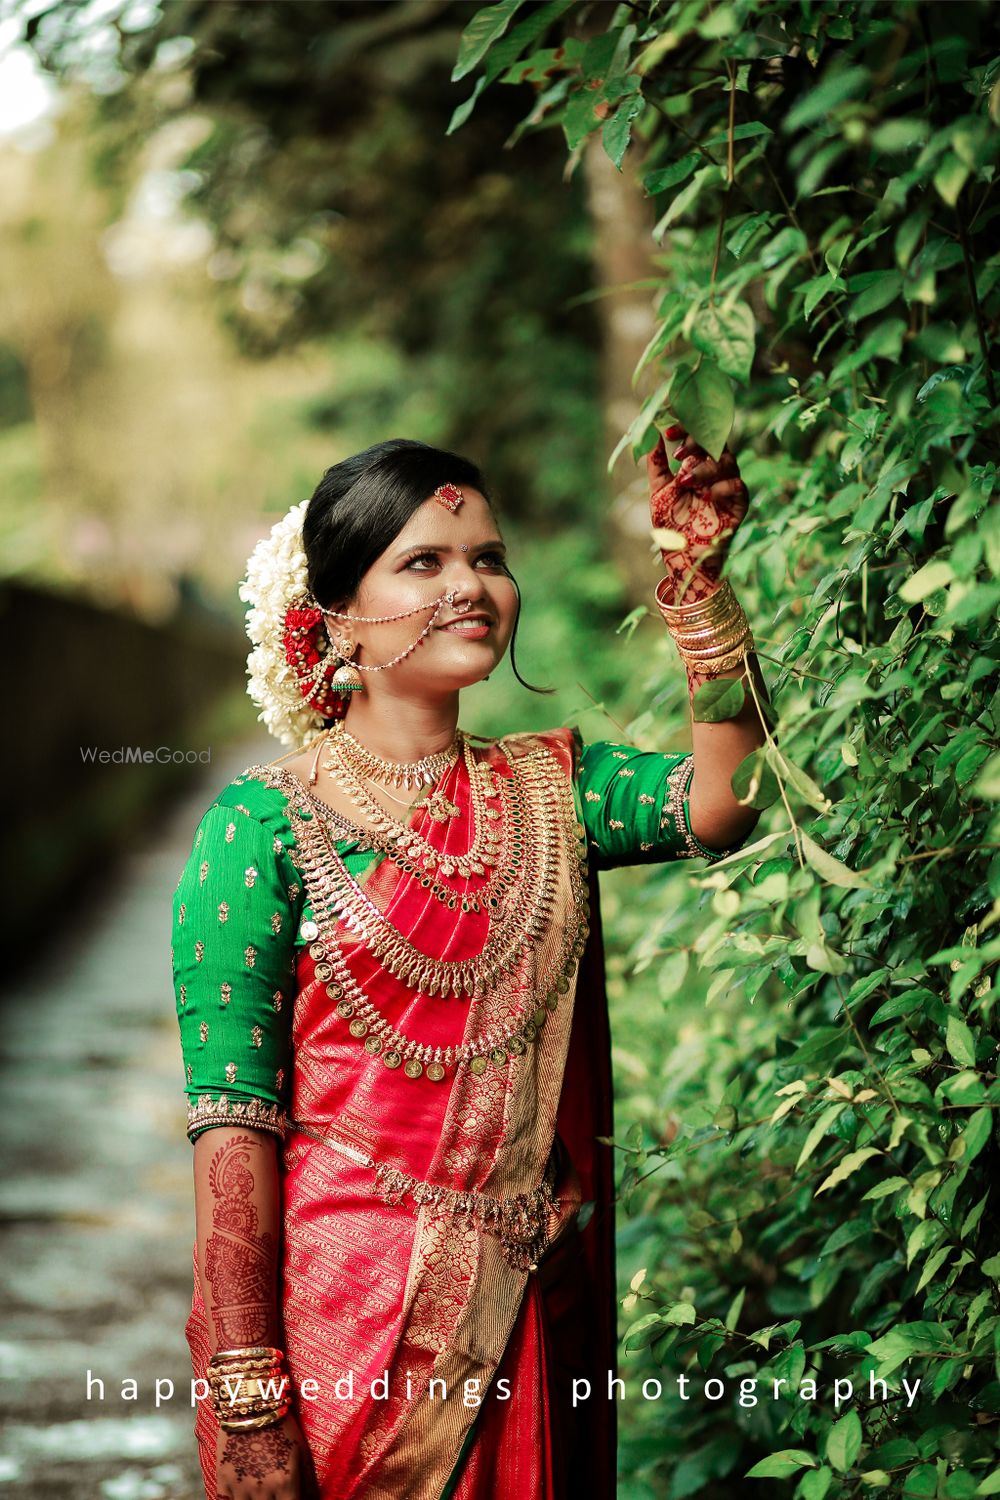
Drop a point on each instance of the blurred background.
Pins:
(239, 244)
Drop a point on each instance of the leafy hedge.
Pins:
(824, 177)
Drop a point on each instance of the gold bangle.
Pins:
(254, 1424)
(721, 598)
(719, 666)
(252, 1352)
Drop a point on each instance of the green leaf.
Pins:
(933, 575)
(726, 332)
(486, 26)
(872, 300)
(718, 700)
(702, 401)
(464, 110)
(668, 177)
(950, 178)
(706, 177)
(843, 1443)
(781, 1465)
(835, 87)
(846, 1167)
(960, 1042)
(832, 869)
(617, 131)
(754, 783)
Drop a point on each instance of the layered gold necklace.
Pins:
(548, 826)
(347, 769)
(532, 857)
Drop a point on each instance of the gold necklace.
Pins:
(438, 805)
(496, 1044)
(534, 858)
(492, 894)
(484, 849)
(403, 774)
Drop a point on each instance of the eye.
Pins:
(420, 557)
(499, 560)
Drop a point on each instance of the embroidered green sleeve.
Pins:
(238, 911)
(635, 806)
(234, 923)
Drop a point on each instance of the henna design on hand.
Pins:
(705, 502)
(254, 1455)
(239, 1263)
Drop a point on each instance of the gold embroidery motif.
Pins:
(276, 922)
(250, 877)
(225, 992)
(615, 823)
(645, 797)
(620, 754)
(240, 808)
(230, 1072)
(593, 796)
(184, 994)
(199, 951)
(197, 842)
(223, 911)
(203, 1031)
(276, 844)
(230, 831)
(293, 892)
(645, 846)
(277, 999)
(626, 771)
(279, 1078)
(249, 955)
(202, 872)
(256, 1036)
(255, 1112)
(190, 1070)
(182, 913)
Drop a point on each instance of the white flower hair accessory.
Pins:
(292, 661)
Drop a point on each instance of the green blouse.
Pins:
(239, 906)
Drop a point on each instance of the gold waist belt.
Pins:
(522, 1223)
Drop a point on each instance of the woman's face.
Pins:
(437, 550)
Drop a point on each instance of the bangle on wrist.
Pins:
(713, 634)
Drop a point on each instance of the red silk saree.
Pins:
(415, 1205)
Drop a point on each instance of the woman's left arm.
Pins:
(703, 504)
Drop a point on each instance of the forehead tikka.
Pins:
(448, 495)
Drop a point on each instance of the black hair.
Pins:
(361, 504)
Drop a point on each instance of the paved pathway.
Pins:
(96, 1209)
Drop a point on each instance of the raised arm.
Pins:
(701, 506)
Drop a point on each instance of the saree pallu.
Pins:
(402, 1304)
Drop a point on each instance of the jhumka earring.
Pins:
(346, 679)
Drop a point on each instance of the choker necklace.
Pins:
(403, 774)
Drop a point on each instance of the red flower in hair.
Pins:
(307, 653)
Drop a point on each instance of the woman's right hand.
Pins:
(271, 1463)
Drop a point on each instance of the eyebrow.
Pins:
(492, 546)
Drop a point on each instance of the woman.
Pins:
(387, 964)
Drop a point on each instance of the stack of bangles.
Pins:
(249, 1388)
(712, 634)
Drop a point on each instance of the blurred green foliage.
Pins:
(808, 1176)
